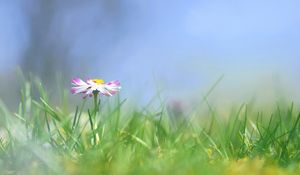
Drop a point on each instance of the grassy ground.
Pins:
(42, 138)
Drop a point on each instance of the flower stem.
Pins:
(96, 109)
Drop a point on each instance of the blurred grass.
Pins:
(43, 138)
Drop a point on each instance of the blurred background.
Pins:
(177, 48)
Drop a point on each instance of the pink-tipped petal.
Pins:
(77, 90)
(73, 90)
(112, 88)
(90, 82)
(89, 91)
(114, 83)
(107, 93)
(78, 82)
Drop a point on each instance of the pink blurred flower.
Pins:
(91, 86)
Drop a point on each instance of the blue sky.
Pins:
(183, 46)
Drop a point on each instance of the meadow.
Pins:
(105, 137)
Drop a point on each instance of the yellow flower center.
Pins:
(98, 81)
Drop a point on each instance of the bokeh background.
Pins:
(177, 48)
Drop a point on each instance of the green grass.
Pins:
(43, 138)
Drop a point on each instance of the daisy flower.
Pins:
(94, 87)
